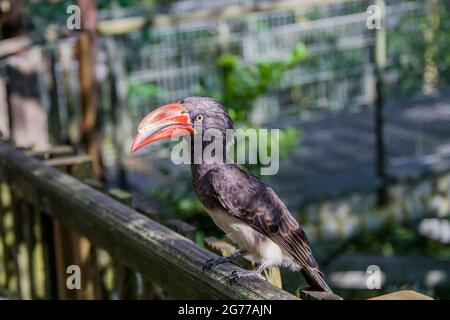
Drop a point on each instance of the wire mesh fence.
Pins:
(175, 59)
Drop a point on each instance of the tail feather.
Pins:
(315, 279)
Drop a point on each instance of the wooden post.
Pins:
(122, 123)
(64, 254)
(46, 230)
(72, 248)
(4, 115)
(431, 73)
(125, 281)
(7, 231)
(63, 242)
(73, 112)
(55, 127)
(30, 241)
(86, 50)
(49, 256)
(17, 227)
(4, 256)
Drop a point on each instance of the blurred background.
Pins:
(364, 113)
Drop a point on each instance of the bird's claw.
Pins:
(237, 274)
(208, 264)
(234, 277)
(215, 262)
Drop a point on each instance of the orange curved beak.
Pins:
(164, 122)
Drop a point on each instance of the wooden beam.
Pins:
(318, 295)
(403, 295)
(130, 24)
(122, 25)
(52, 152)
(14, 45)
(172, 261)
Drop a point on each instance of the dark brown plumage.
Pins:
(232, 188)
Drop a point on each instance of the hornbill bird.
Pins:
(245, 208)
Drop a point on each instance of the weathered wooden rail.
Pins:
(160, 255)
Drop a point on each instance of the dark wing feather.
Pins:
(245, 197)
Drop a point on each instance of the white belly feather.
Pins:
(261, 248)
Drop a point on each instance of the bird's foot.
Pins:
(238, 274)
(216, 261)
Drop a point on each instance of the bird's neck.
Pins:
(206, 155)
(199, 170)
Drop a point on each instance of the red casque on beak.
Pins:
(165, 122)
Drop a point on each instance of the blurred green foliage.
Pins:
(139, 94)
(105, 4)
(241, 84)
(423, 58)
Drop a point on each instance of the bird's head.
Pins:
(190, 116)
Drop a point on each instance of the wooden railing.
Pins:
(50, 220)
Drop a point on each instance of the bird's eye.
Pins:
(199, 118)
